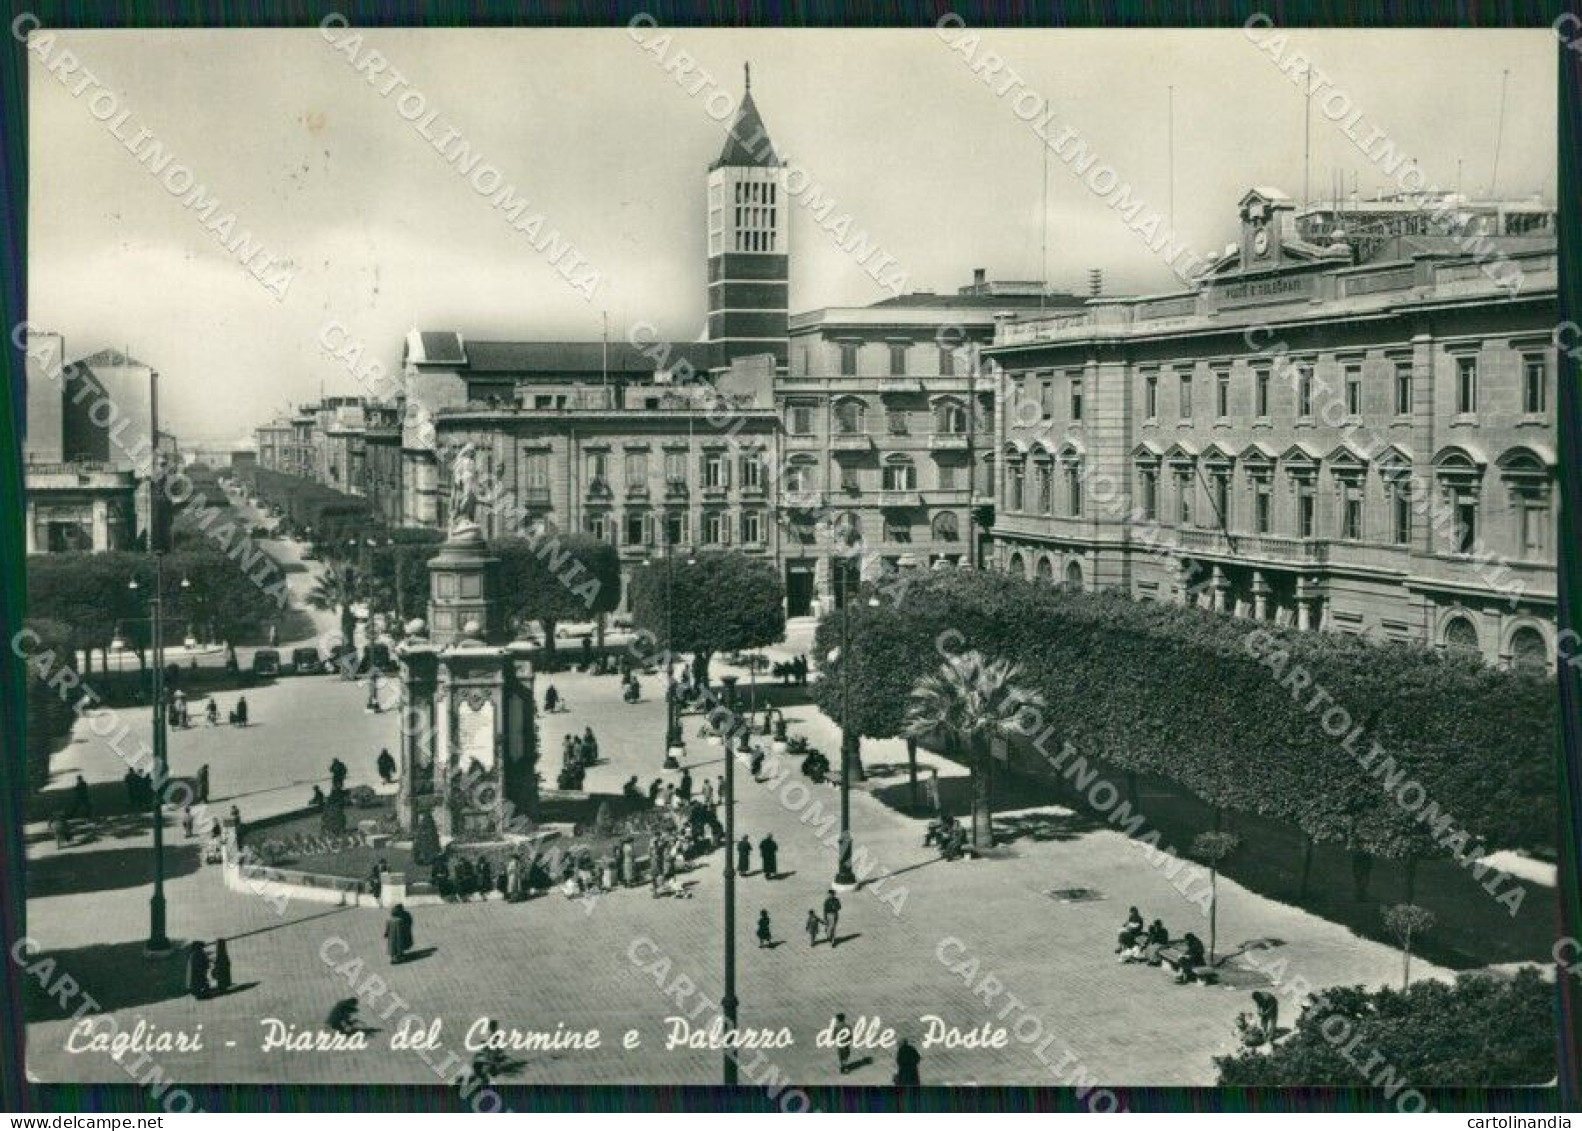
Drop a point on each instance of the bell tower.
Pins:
(748, 213)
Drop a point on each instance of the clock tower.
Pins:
(748, 226)
(1265, 216)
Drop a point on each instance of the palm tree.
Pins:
(334, 591)
(970, 700)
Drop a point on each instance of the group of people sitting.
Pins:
(949, 834)
(630, 691)
(1152, 944)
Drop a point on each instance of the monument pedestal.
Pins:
(469, 735)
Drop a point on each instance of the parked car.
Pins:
(306, 661)
(333, 664)
(266, 661)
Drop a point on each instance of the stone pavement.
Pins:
(552, 961)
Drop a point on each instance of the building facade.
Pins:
(1356, 446)
(887, 422)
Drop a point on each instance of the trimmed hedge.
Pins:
(1234, 710)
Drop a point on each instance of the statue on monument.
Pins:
(464, 492)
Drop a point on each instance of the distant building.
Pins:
(885, 417)
(1360, 446)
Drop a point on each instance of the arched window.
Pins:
(946, 527)
(1074, 576)
(848, 528)
(1017, 566)
(950, 418)
(1528, 651)
(848, 416)
(1461, 637)
(1046, 570)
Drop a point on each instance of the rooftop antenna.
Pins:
(747, 76)
(1307, 144)
(1170, 149)
(604, 375)
(1043, 245)
(1494, 176)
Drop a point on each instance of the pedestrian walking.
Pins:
(831, 916)
(241, 711)
(842, 1042)
(684, 790)
(907, 1059)
(513, 880)
(769, 856)
(765, 936)
(744, 856)
(386, 765)
(198, 970)
(653, 791)
(222, 967)
(203, 783)
(812, 926)
(81, 801)
(551, 699)
(398, 932)
(212, 711)
(337, 775)
(186, 821)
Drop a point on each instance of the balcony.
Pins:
(1269, 547)
(637, 490)
(714, 490)
(851, 442)
(536, 496)
(898, 498)
(947, 442)
(900, 385)
(676, 489)
(599, 489)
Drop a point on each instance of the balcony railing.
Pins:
(675, 488)
(851, 442)
(900, 385)
(900, 498)
(536, 496)
(1273, 547)
(947, 442)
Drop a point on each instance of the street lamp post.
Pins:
(673, 738)
(845, 877)
(158, 941)
(728, 1002)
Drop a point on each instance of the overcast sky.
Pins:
(894, 126)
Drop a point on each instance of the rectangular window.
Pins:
(1151, 397)
(1046, 489)
(1014, 488)
(1046, 397)
(1351, 518)
(1466, 524)
(1304, 396)
(1535, 528)
(636, 470)
(1534, 374)
(1184, 499)
(636, 528)
(947, 362)
(598, 469)
(538, 471)
(714, 473)
(675, 467)
(1186, 396)
(1222, 501)
(801, 420)
(752, 472)
(849, 478)
(900, 477)
(1263, 509)
(1149, 489)
(947, 474)
(897, 530)
(1076, 398)
(1260, 384)
(895, 419)
(1353, 390)
(848, 417)
(752, 528)
(848, 359)
(1466, 385)
(598, 526)
(675, 528)
(1306, 513)
(1073, 492)
(898, 359)
(1401, 514)
(714, 528)
(1403, 388)
(1221, 396)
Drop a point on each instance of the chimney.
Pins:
(979, 277)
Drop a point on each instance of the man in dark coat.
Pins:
(386, 766)
(81, 802)
(241, 711)
(198, 970)
(831, 916)
(907, 1059)
(397, 930)
(769, 854)
(685, 788)
(744, 856)
(337, 775)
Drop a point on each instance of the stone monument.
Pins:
(469, 736)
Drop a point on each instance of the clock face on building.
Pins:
(1260, 242)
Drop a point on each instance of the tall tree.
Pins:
(1213, 849)
(334, 591)
(1406, 921)
(715, 602)
(971, 700)
(557, 577)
